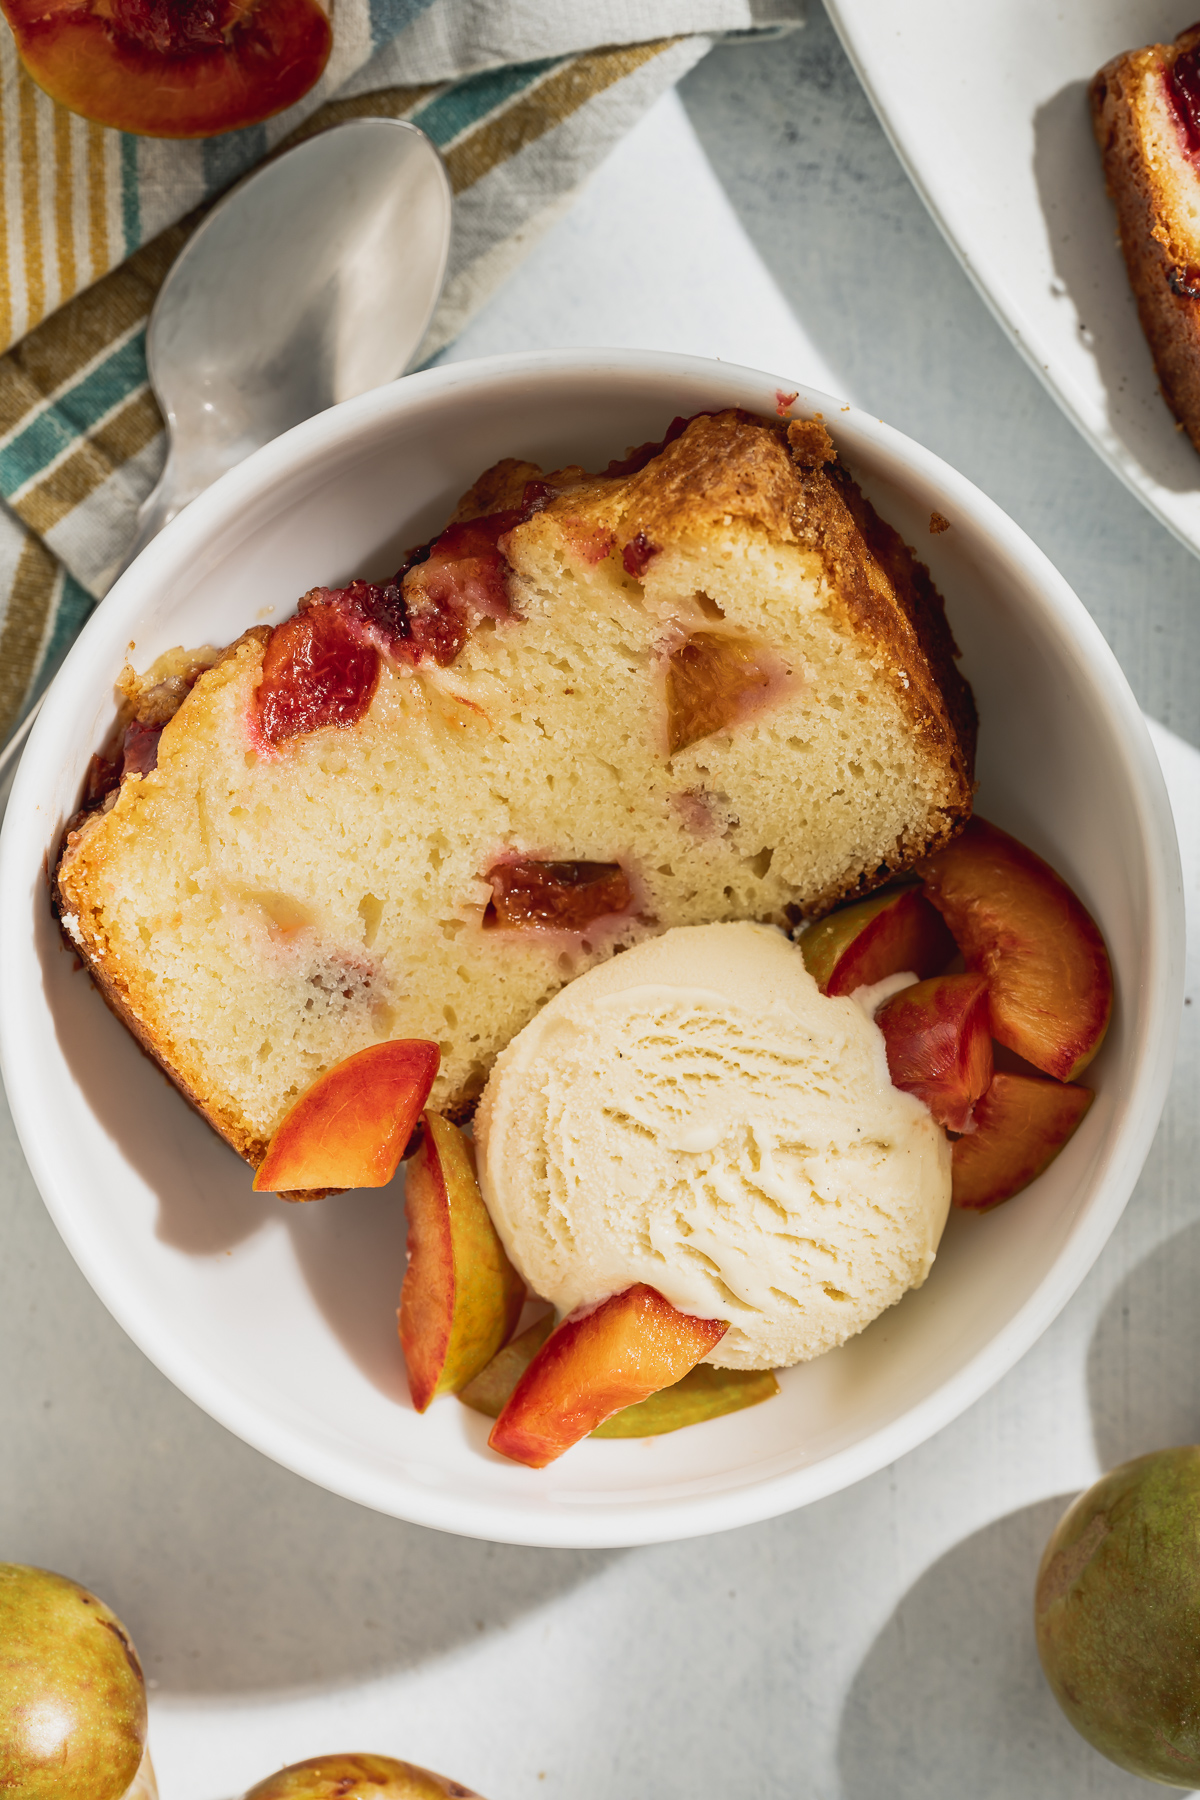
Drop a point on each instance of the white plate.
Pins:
(986, 104)
(280, 1320)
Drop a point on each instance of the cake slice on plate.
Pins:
(1146, 114)
(709, 684)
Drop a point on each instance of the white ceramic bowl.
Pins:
(279, 1320)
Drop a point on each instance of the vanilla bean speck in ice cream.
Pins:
(697, 1115)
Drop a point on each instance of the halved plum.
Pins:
(172, 68)
(599, 1360)
(893, 933)
(1019, 924)
(939, 1044)
(1020, 1125)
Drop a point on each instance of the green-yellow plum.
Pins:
(72, 1697)
(1118, 1616)
(358, 1777)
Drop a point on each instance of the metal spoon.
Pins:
(311, 282)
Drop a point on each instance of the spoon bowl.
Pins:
(311, 282)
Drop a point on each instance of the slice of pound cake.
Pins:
(1146, 114)
(709, 684)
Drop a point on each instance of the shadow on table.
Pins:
(951, 1700)
(1144, 1360)
(238, 1578)
(235, 1576)
(351, 1250)
(299, 1590)
(792, 138)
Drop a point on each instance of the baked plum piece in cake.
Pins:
(709, 684)
(1146, 114)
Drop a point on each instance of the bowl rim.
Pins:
(607, 1521)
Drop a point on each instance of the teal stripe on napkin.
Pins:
(73, 413)
(448, 115)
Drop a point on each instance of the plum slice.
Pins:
(315, 672)
(172, 68)
(703, 1393)
(894, 933)
(564, 896)
(321, 667)
(939, 1044)
(350, 1128)
(598, 1361)
(1182, 83)
(464, 571)
(1019, 924)
(461, 1297)
(713, 681)
(490, 1391)
(1020, 1125)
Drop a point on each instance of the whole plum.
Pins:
(72, 1697)
(358, 1777)
(1117, 1613)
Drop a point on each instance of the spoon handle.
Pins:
(157, 509)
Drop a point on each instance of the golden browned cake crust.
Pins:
(787, 483)
(708, 684)
(1144, 120)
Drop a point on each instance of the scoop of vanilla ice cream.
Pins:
(697, 1115)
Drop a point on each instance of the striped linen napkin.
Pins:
(524, 98)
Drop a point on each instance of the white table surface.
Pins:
(876, 1646)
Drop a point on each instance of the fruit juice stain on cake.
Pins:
(638, 554)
